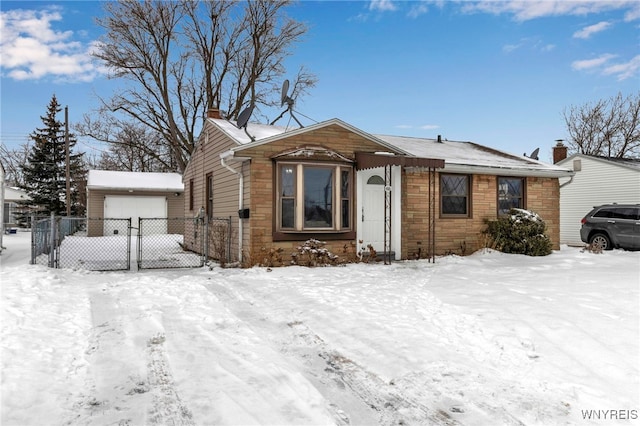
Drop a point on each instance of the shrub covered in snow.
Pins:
(520, 232)
(313, 253)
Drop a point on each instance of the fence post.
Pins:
(52, 235)
(205, 236)
(229, 233)
(34, 232)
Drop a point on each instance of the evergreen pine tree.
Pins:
(45, 170)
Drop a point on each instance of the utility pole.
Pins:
(66, 145)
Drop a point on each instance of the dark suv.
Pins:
(612, 226)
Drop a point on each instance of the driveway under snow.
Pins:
(488, 339)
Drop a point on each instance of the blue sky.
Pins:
(499, 73)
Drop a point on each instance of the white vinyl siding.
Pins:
(598, 182)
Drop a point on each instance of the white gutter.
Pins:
(505, 171)
(229, 155)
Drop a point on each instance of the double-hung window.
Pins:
(510, 194)
(454, 195)
(314, 197)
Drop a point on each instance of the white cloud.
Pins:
(621, 71)
(429, 127)
(625, 70)
(587, 32)
(531, 43)
(633, 14)
(533, 9)
(382, 5)
(587, 64)
(508, 48)
(417, 9)
(33, 49)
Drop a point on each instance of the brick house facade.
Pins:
(293, 185)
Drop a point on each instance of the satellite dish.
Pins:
(243, 118)
(534, 154)
(284, 97)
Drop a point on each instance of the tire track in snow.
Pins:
(354, 394)
(129, 378)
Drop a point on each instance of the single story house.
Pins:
(11, 206)
(123, 195)
(596, 180)
(406, 197)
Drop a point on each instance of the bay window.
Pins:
(314, 197)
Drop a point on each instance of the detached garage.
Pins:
(123, 195)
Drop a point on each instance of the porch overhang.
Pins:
(368, 160)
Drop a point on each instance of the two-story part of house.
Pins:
(406, 197)
(596, 180)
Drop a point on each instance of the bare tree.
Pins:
(131, 146)
(13, 161)
(608, 127)
(183, 57)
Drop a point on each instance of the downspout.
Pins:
(228, 155)
(567, 182)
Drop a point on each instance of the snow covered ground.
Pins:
(488, 339)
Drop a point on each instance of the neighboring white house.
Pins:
(597, 180)
(12, 197)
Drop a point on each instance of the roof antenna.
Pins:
(285, 99)
(243, 119)
(534, 154)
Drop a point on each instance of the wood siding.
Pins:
(206, 159)
(598, 182)
(95, 207)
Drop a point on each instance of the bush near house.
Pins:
(519, 232)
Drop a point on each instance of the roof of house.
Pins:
(630, 163)
(459, 157)
(15, 194)
(139, 181)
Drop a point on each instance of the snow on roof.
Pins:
(468, 154)
(257, 130)
(630, 163)
(15, 194)
(457, 155)
(140, 181)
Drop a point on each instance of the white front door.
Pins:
(373, 212)
(371, 194)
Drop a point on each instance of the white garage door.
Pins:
(134, 207)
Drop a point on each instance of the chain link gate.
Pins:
(171, 243)
(104, 244)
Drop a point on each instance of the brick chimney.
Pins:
(559, 151)
(213, 113)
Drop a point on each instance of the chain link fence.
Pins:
(95, 244)
(105, 244)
